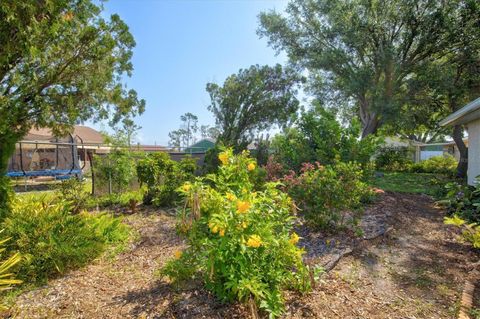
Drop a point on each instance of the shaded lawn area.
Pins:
(414, 183)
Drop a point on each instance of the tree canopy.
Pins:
(61, 62)
(360, 52)
(253, 100)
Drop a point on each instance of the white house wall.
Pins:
(473, 150)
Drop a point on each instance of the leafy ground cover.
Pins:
(417, 270)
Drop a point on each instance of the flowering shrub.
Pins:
(274, 169)
(239, 241)
(324, 193)
(163, 176)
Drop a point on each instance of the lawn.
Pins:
(414, 183)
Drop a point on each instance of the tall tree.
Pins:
(253, 100)
(177, 138)
(207, 131)
(361, 51)
(61, 62)
(450, 80)
(190, 125)
(185, 135)
(129, 130)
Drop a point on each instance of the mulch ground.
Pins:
(408, 265)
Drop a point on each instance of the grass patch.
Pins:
(415, 183)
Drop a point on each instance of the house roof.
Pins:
(88, 134)
(201, 146)
(84, 134)
(466, 114)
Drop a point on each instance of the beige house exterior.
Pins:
(469, 117)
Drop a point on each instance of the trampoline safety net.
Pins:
(45, 156)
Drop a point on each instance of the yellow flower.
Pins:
(294, 238)
(68, 16)
(222, 232)
(178, 254)
(186, 187)
(251, 166)
(244, 225)
(254, 241)
(230, 196)
(213, 228)
(242, 207)
(223, 157)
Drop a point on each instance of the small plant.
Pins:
(325, 193)
(125, 200)
(463, 201)
(7, 278)
(163, 176)
(73, 191)
(470, 232)
(51, 240)
(240, 242)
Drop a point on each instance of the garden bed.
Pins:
(417, 269)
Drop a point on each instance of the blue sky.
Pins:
(182, 45)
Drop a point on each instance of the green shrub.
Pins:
(325, 193)
(463, 201)
(74, 192)
(394, 159)
(52, 240)
(6, 195)
(115, 169)
(240, 242)
(319, 136)
(446, 164)
(211, 162)
(163, 176)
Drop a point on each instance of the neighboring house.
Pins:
(201, 146)
(437, 149)
(469, 116)
(423, 151)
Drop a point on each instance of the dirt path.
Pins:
(416, 271)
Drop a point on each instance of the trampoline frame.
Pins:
(60, 174)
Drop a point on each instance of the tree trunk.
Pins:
(462, 149)
(370, 125)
